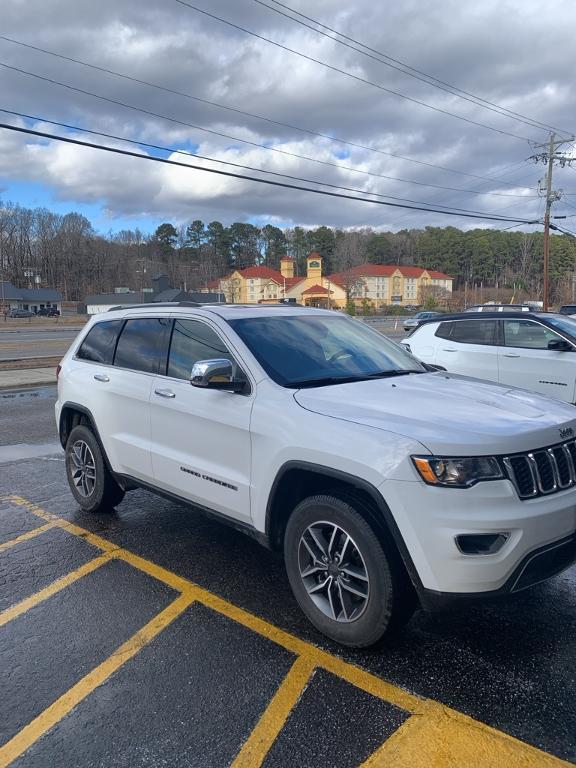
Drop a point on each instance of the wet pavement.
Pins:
(153, 636)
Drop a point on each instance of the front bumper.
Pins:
(541, 535)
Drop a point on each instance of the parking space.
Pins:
(111, 658)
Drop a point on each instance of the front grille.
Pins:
(544, 471)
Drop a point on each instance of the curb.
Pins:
(25, 385)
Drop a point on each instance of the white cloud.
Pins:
(488, 49)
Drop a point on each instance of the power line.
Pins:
(359, 79)
(404, 68)
(437, 200)
(173, 150)
(200, 128)
(265, 119)
(128, 153)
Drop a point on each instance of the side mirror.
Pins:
(560, 345)
(215, 374)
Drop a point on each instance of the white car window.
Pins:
(527, 334)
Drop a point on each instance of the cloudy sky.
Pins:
(515, 54)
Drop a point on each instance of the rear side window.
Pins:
(98, 346)
(444, 330)
(141, 344)
(474, 331)
(192, 341)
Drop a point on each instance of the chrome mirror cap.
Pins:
(204, 371)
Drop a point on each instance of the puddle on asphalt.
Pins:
(33, 393)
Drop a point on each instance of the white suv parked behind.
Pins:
(533, 350)
(380, 480)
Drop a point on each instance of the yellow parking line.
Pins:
(258, 744)
(28, 535)
(29, 602)
(345, 670)
(434, 736)
(62, 706)
(34, 508)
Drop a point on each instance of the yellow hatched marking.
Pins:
(264, 735)
(62, 706)
(434, 736)
(27, 536)
(29, 602)
(444, 738)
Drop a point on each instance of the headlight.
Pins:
(457, 473)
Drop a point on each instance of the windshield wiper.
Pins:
(392, 372)
(325, 381)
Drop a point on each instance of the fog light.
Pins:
(481, 543)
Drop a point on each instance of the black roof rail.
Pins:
(156, 304)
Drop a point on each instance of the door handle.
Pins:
(510, 354)
(101, 377)
(449, 350)
(165, 393)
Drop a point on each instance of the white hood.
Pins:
(449, 414)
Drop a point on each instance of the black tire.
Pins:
(390, 600)
(103, 493)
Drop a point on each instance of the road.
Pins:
(28, 343)
(25, 342)
(208, 685)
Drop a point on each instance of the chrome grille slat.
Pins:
(544, 471)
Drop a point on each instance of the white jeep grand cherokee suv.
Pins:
(382, 481)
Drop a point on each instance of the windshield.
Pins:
(321, 349)
(563, 323)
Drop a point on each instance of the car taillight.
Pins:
(58, 369)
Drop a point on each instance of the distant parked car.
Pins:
(419, 317)
(19, 313)
(568, 309)
(48, 312)
(533, 350)
(500, 308)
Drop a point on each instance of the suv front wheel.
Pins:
(344, 580)
(90, 481)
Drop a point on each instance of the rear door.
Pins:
(127, 387)
(524, 360)
(201, 447)
(469, 347)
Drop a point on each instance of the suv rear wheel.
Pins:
(90, 481)
(350, 588)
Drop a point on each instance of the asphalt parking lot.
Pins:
(153, 636)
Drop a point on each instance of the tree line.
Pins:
(69, 255)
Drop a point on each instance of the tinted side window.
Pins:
(474, 331)
(140, 344)
(527, 334)
(193, 340)
(444, 330)
(98, 346)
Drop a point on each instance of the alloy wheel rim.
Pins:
(82, 468)
(333, 572)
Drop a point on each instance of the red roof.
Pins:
(317, 289)
(385, 270)
(267, 273)
(292, 281)
(286, 258)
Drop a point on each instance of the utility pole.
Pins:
(550, 157)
